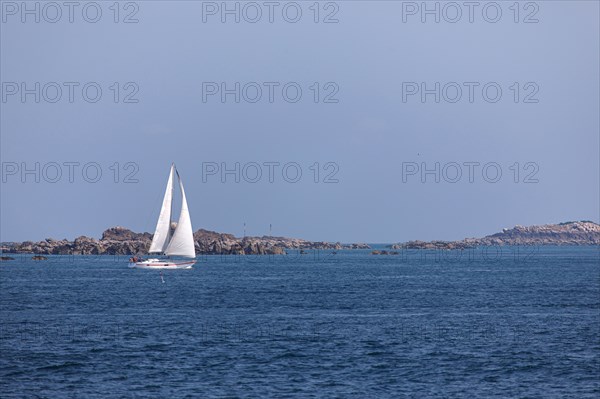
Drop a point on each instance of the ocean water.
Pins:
(521, 322)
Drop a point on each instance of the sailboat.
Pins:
(170, 239)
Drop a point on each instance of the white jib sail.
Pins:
(182, 243)
(160, 240)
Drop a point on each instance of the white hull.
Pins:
(156, 264)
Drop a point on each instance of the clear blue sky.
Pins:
(369, 133)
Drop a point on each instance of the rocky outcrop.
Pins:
(357, 246)
(568, 233)
(121, 241)
(384, 252)
(433, 245)
(122, 234)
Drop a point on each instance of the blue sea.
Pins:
(482, 323)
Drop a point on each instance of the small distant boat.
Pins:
(168, 239)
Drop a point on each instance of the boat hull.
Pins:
(161, 265)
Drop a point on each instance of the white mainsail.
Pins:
(182, 243)
(160, 240)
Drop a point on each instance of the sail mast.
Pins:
(162, 233)
(182, 242)
(173, 169)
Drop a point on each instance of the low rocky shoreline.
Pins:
(568, 233)
(121, 241)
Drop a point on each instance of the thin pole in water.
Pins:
(161, 277)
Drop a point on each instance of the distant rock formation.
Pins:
(384, 252)
(121, 241)
(568, 233)
(122, 234)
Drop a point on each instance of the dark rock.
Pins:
(568, 233)
(121, 241)
(119, 233)
(357, 246)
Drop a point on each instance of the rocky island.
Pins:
(568, 233)
(122, 241)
